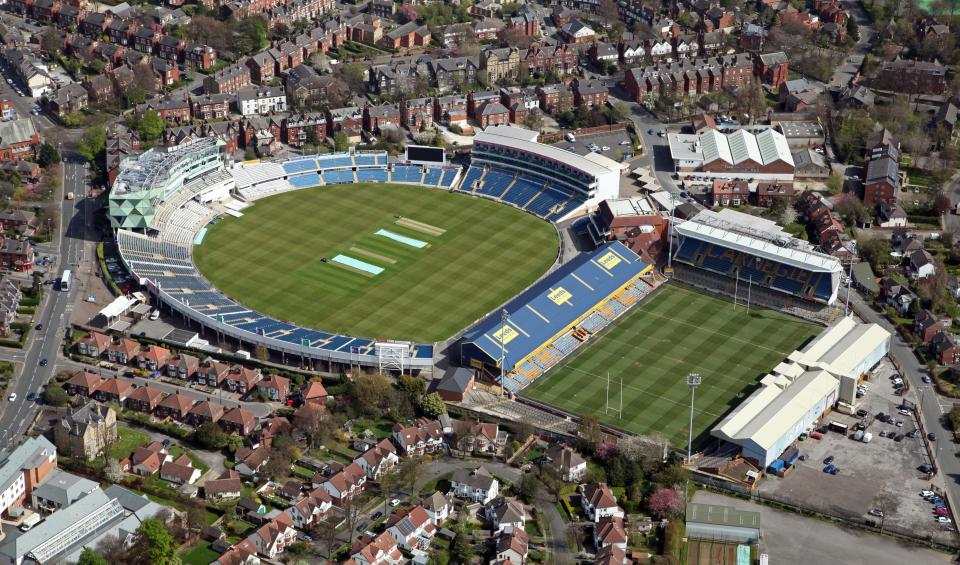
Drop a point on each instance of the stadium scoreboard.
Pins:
(426, 155)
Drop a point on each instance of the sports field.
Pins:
(673, 332)
(411, 263)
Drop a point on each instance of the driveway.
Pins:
(792, 539)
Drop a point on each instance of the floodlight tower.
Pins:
(693, 381)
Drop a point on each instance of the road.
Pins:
(930, 407)
(53, 314)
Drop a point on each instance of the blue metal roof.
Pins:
(555, 302)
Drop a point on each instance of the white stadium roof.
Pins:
(817, 262)
(521, 140)
(840, 349)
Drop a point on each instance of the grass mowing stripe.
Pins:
(671, 333)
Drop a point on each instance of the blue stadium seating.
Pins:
(521, 192)
(495, 183)
(786, 285)
(546, 200)
(824, 287)
(338, 177)
(304, 181)
(300, 166)
(565, 208)
(688, 250)
(717, 264)
(364, 160)
(473, 174)
(372, 175)
(406, 173)
(432, 178)
(448, 176)
(336, 162)
(594, 323)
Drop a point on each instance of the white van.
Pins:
(155, 315)
(570, 137)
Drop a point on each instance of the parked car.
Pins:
(926, 379)
(829, 469)
(876, 512)
(903, 411)
(931, 436)
(377, 515)
(13, 396)
(828, 460)
(927, 493)
(925, 469)
(835, 470)
(861, 412)
(31, 397)
(944, 520)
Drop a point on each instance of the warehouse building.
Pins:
(802, 388)
(739, 155)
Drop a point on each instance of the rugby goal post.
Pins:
(392, 355)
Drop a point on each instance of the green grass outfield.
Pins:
(673, 332)
(270, 259)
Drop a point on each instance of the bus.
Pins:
(65, 280)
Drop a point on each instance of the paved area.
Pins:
(881, 474)
(613, 141)
(791, 539)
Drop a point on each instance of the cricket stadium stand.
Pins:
(556, 315)
(756, 253)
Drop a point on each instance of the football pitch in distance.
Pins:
(671, 333)
(415, 263)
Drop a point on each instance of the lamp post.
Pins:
(693, 381)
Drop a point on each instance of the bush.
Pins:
(54, 395)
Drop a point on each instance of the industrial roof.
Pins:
(766, 417)
(555, 302)
(722, 516)
(710, 145)
(525, 140)
(810, 260)
(64, 488)
(842, 347)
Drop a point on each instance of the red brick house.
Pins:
(274, 387)
(592, 94)
(174, 406)
(203, 412)
(927, 325)
(945, 348)
(417, 113)
(82, 383)
(199, 57)
(768, 192)
(772, 68)
(144, 399)
(239, 420)
(375, 118)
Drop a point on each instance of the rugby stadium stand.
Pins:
(508, 165)
(556, 315)
(757, 253)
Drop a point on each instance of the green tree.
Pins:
(835, 183)
(48, 155)
(253, 34)
(150, 125)
(210, 436)
(413, 387)
(853, 29)
(154, 544)
(340, 141)
(133, 95)
(460, 549)
(372, 395)
(54, 395)
(432, 405)
(852, 134)
(528, 487)
(89, 557)
(589, 433)
(93, 142)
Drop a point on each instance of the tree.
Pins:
(89, 557)
(552, 480)
(616, 112)
(372, 394)
(605, 451)
(210, 436)
(326, 533)
(340, 141)
(432, 405)
(460, 549)
(528, 488)
(534, 121)
(407, 13)
(853, 28)
(413, 387)
(196, 517)
(134, 95)
(941, 204)
(113, 471)
(835, 183)
(150, 125)
(355, 77)
(408, 473)
(588, 432)
(51, 42)
(314, 421)
(852, 133)
(54, 395)
(48, 155)
(154, 544)
(852, 210)
(93, 142)
(113, 549)
(663, 502)
(253, 34)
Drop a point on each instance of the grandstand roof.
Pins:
(842, 347)
(517, 138)
(555, 302)
(817, 262)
